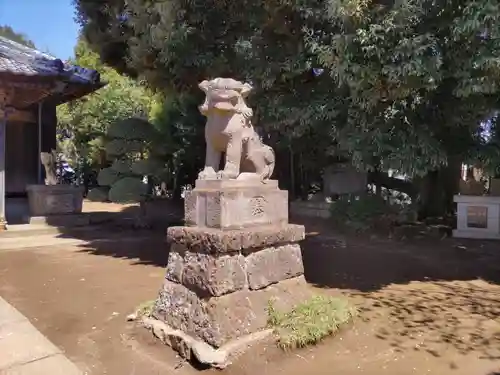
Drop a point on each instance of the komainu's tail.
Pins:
(270, 161)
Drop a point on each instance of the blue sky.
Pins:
(48, 23)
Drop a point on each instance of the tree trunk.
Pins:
(436, 190)
(292, 173)
(381, 179)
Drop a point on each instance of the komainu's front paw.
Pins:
(207, 175)
(226, 175)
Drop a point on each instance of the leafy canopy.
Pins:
(404, 84)
(86, 120)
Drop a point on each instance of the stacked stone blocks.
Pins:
(219, 282)
(237, 252)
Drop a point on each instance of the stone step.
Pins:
(15, 243)
(65, 239)
(33, 230)
(36, 235)
(77, 220)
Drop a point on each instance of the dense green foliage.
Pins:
(132, 146)
(399, 75)
(85, 126)
(182, 127)
(404, 84)
(87, 120)
(369, 211)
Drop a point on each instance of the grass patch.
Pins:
(145, 309)
(309, 322)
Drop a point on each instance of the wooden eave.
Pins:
(33, 89)
(75, 91)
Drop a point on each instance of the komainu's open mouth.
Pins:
(224, 106)
(224, 94)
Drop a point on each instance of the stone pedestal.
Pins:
(477, 217)
(46, 200)
(220, 280)
(235, 204)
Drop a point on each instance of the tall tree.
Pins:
(84, 122)
(405, 84)
(7, 32)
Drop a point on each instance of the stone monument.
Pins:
(237, 251)
(53, 198)
(338, 179)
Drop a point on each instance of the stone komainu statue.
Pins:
(229, 130)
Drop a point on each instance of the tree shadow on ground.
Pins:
(124, 234)
(421, 295)
(142, 248)
(436, 317)
(367, 263)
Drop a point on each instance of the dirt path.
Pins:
(79, 297)
(423, 309)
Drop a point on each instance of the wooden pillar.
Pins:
(39, 175)
(47, 133)
(49, 127)
(4, 102)
(3, 126)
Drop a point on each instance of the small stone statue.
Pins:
(229, 130)
(48, 160)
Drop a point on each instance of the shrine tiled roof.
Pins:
(18, 59)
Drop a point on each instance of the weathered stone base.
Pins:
(194, 349)
(47, 200)
(218, 284)
(191, 348)
(218, 320)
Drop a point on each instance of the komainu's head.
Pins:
(224, 94)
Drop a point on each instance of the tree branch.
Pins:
(383, 179)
